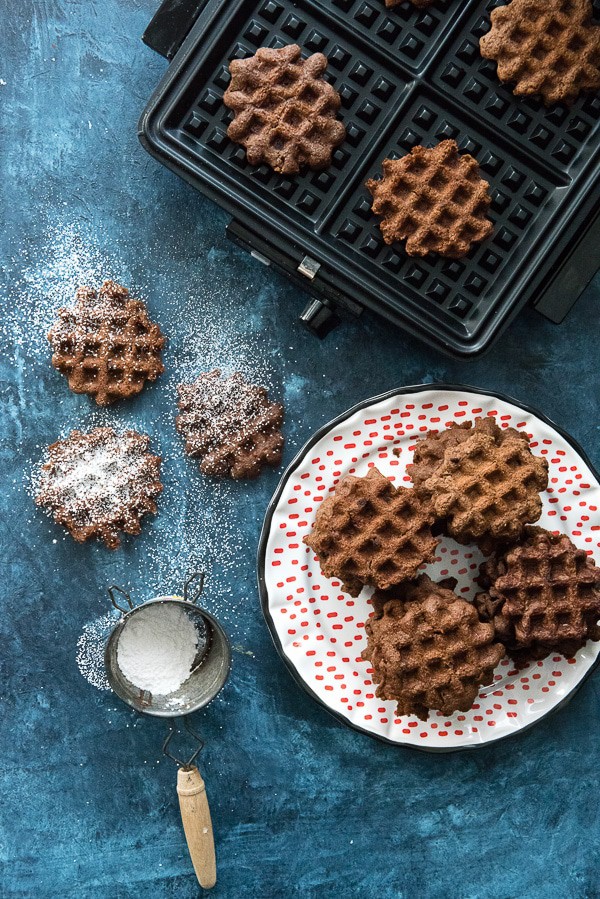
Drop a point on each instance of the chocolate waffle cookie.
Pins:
(285, 112)
(106, 345)
(428, 648)
(231, 426)
(482, 481)
(546, 47)
(370, 532)
(543, 596)
(100, 483)
(434, 199)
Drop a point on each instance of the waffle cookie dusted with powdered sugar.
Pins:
(100, 484)
(428, 648)
(370, 532)
(229, 425)
(106, 345)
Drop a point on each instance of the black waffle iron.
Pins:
(406, 77)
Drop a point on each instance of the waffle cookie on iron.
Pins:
(483, 481)
(285, 112)
(370, 532)
(545, 47)
(99, 484)
(542, 595)
(106, 345)
(229, 425)
(428, 648)
(434, 199)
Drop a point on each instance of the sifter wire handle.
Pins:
(197, 825)
(114, 588)
(193, 587)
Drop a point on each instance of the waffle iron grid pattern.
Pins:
(405, 77)
(366, 92)
(557, 134)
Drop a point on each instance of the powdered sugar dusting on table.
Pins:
(213, 323)
(48, 281)
(90, 649)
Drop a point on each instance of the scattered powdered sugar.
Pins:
(212, 318)
(200, 528)
(46, 279)
(90, 649)
(214, 330)
(157, 648)
(204, 523)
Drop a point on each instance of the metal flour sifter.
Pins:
(208, 675)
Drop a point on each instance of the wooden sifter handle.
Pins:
(195, 815)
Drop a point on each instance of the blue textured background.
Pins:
(301, 805)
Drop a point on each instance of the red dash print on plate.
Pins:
(321, 628)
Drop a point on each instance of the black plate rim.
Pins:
(266, 528)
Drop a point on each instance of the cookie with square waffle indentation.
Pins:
(428, 648)
(369, 532)
(100, 483)
(229, 425)
(483, 481)
(545, 47)
(543, 596)
(106, 345)
(434, 199)
(285, 112)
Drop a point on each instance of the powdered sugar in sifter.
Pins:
(208, 673)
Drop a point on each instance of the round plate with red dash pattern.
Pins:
(319, 630)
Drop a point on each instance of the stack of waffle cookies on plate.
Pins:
(428, 647)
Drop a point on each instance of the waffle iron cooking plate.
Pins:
(406, 77)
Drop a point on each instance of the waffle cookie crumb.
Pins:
(285, 112)
(434, 199)
(428, 648)
(546, 47)
(231, 426)
(370, 532)
(106, 345)
(100, 483)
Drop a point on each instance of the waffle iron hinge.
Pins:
(327, 306)
(571, 275)
(171, 24)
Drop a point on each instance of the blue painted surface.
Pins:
(301, 805)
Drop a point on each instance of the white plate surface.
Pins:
(320, 629)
